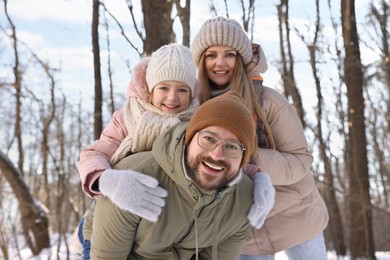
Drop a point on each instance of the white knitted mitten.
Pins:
(264, 198)
(133, 191)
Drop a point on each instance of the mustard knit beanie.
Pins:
(227, 111)
(171, 62)
(221, 31)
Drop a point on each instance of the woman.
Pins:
(223, 54)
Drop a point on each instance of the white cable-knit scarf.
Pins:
(144, 122)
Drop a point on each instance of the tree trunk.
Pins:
(34, 218)
(109, 67)
(98, 116)
(18, 88)
(360, 223)
(47, 121)
(184, 15)
(287, 71)
(335, 222)
(158, 24)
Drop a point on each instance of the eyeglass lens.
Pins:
(209, 141)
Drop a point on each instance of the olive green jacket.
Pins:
(210, 223)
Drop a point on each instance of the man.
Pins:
(209, 196)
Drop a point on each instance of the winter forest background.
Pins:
(329, 58)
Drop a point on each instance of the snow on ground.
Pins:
(56, 252)
(332, 256)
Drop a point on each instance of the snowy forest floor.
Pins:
(60, 251)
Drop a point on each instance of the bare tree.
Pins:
(109, 69)
(377, 132)
(287, 63)
(62, 209)
(156, 29)
(34, 218)
(47, 119)
(360, 222)
(158, 24)
(184, 15)
(335, 223)
(248, 15)
(98, 116)
(379, 19)
(4, 241)
(18, 88)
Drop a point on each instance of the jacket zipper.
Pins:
(217, 197)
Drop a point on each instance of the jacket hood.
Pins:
(170, 156)
(137, 86)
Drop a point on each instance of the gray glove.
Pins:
(134, 192)
(264, 198)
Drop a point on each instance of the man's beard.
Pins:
(208, 182)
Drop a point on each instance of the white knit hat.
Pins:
(221, 31)
(171, 62)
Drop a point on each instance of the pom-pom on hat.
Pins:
(228, 111)
(171, 62)
(221, 31)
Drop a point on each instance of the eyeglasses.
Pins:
(209, 141)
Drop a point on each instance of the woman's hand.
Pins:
(264, 198)
(251, 169)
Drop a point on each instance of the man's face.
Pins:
(212, 169)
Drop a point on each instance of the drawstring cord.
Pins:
(196, 237)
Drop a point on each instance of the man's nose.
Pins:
(217, 153)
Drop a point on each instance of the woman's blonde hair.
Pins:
(241, 83)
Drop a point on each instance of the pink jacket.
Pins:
(94, 159)
(299, 212)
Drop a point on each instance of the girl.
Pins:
(160, 95)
